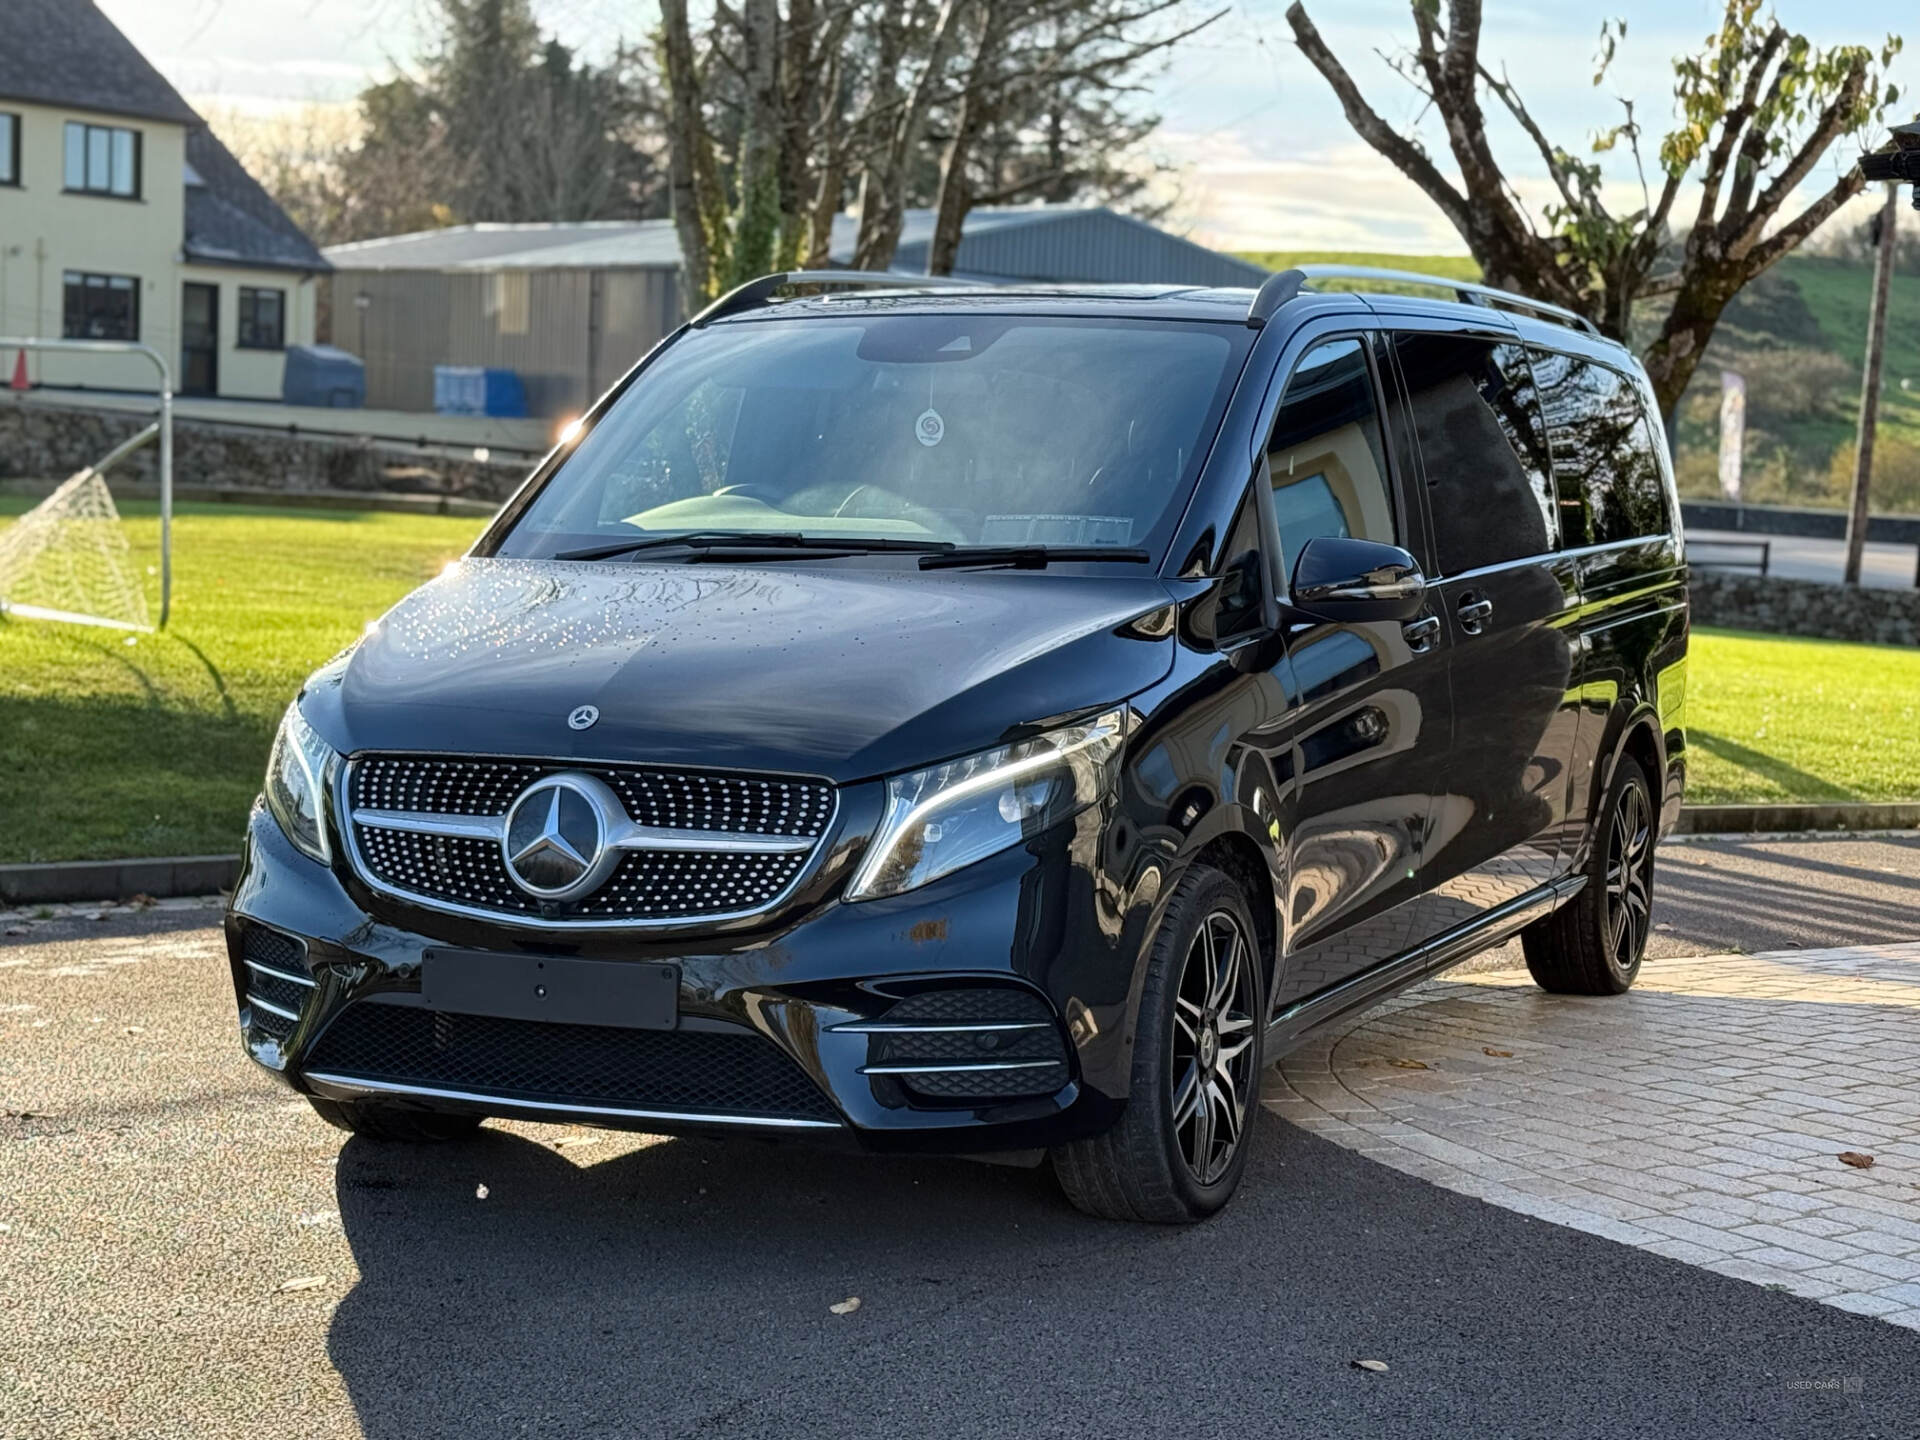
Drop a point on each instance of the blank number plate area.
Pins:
(640, 996)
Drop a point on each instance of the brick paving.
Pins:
(1700, 1116)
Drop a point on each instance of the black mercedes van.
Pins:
(990, 721)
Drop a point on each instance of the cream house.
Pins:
(123, 217)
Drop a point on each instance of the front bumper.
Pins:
(783, 1031)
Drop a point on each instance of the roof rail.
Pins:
(1275, 291)
(1466, 291)
(756, 293)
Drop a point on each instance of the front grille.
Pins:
(274, 971)
(657, 885)
(707, 1071)
(964, 1045)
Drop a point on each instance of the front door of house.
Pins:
(200, 339)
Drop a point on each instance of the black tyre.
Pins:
(1180, 1147)
(1593, 944)
(391, 1123)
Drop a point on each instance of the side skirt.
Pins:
(1293, 1024)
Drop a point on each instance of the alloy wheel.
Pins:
(1210, 1075)
(1629, 877)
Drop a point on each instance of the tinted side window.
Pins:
(1325, 458)
(1483, 445)
(1603, 452)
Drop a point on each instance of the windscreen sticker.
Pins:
(1056, 530)
(928, 428)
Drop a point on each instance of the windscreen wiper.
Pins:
(1029, 557)
(731, 540)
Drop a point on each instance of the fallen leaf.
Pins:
(1378, 1367)
(1856, 1159)
(136, 1029)
(1411, 1064)
(846, 1306)
(143, 900)
(1502, 1054)
(568, 1142)
(319, 1217)
(303, 1282)
(479, 1192)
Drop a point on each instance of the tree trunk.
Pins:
(799, 75)
(757, 180)
(883, 182)
(956, 186)
(685, 136)
(831, 145)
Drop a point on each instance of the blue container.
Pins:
(474, 390)
(323, 375)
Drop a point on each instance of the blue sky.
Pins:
(1263, 157)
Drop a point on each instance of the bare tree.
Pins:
(898, 124)
(1048, 82)
(1759, 107)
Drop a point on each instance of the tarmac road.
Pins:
(157, 1193)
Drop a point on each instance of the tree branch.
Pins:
(1834, 122)
(1503, 87)
(1784, 240)
(1409, 159)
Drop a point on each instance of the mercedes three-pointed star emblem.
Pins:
(555, 843)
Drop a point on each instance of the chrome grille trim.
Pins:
(953, 1067)
(907, 1027)
(272, 1009)
(288, 976)
(488, 828)
(697, 1117)
(632, 837)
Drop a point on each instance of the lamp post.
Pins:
(1896, 164)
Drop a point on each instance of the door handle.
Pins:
(1421, 633)
(1474, 612)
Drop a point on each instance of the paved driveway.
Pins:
(158, 1196)
(1702, 1116)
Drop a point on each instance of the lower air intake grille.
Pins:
(733, 1073)
(986, 1044)
(274, 971)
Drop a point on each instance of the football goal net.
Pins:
(67, 559)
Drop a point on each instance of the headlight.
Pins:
(296, 777)
(951, 815)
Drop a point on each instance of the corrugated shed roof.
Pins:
(494, 246)
(65, 52)
(230, 219)
(1085, 243)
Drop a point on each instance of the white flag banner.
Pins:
(1733, 431)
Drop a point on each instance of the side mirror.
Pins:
(1357, 580)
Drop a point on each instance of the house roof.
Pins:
(1025, 242)
(230, 219)
(65, 52)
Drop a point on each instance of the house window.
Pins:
(263, 324)
(9, 149)
(102, 307)
(103, 160)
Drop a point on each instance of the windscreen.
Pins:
(965, 429)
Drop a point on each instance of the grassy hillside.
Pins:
(1798, 334)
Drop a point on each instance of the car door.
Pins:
(1370, 703)
(1510, 603)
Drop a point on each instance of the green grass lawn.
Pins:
(156, 747)
(1774, 719)
(116, 745)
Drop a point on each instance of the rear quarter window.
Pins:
(1606, 464)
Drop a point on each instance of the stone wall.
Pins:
(43, 442)
(1777, 606)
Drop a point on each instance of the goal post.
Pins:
(87, 489)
